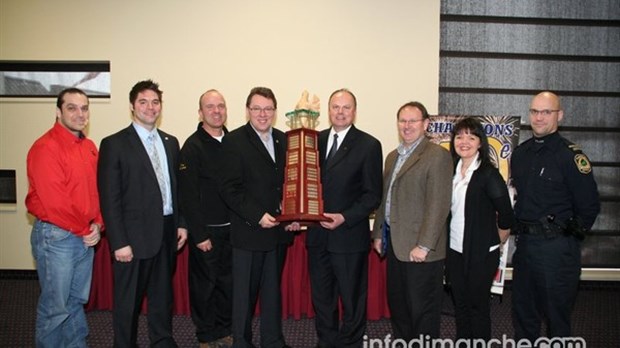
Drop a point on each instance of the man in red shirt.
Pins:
(62, 196)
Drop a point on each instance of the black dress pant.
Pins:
(151, 277)
(210, 285)
(545, 280)
(471, 291)
(415, 293)
(258, 273)
(335, 276)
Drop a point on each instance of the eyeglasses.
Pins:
(409, 122)
(545, 112)
(268, 110)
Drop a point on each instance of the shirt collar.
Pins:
(341, 134)
(472, 167)
(548, 141)
(144, 133)
(65, 134)
(260, 135)
(406, 150)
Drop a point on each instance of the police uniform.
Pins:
(557, 199)
(207, 217)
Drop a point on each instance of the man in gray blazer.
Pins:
(411, 221)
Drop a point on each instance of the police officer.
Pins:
(210, 252)
(557, 201)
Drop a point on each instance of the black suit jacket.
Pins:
(352, 185)
(252, 186)
(130, 198)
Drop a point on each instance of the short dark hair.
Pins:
(414, 104)
(263, 92)
(472, 126)
(61, 96)
(344, 90)
(143, 86)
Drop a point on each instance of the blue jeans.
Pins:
(64, 266)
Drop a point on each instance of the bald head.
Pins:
(211, 92)
(545, 113)
(551, 97)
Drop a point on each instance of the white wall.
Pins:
(387, 53)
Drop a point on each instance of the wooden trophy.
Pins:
(303, 195)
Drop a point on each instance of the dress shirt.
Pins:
(459, 192)
(330, 139)
(404, 152)
(267, 139)
(143, 133)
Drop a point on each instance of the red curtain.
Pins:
(296, 300)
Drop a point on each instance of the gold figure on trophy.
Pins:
(305, 114)
(303, 194)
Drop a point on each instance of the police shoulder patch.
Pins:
(583, 164)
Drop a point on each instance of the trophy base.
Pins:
(303, 219)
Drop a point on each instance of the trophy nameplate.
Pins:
(302, 199)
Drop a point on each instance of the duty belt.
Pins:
(539, 228)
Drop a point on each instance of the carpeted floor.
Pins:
(596, 318)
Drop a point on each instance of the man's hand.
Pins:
(336, 220)
(268, 221)
(124, 254)
(205, 246)
(377, 245)
(94, 236)
(293, 227)
(417, 254)
(181, 237)
(503, 235)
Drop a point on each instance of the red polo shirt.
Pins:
(62, 173)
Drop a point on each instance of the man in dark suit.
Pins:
(137, 186)
(252, 179)
(351, 165)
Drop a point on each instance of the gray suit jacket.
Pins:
(421, 197)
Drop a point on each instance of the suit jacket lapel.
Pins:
(279, 147)
(256, 141)
(344, 148)
(322, 147)
(413, 158)
(169, 156)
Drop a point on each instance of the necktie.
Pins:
(155, 161)
(334, 148)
